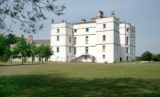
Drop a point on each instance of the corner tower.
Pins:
(127, 41)
(62, 41)
(107, 35)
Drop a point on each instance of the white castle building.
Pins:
(102, 39)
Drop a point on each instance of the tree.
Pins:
(4, 49)
(22, 49)
(34, 51)
(147, 56)
(44, 51)
(47, 52)
(11, 39)
(156, 57)
(27, 13)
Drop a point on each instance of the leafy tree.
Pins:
(27, 13)
(34, 51)
(147, 56)
(22, 49)
(11, 39)
(156, 57)
(47, 52)
(41, 52)
(4, 49)
(44, 51)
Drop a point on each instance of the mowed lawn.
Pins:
(133, 79)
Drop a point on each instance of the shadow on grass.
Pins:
(19, 64)
(49, 86)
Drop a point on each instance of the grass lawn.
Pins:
(132, 79)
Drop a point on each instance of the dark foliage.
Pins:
(27, 13)
(147, 56)
(4, 49)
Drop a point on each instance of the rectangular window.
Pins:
(69, 39)
(57, 38)
(103, 48)
(75, 30)
(127, 50)
(58, 30)
(104, 26)
(70, 49)
(74, 50)
(87, 29)
(57, 49)
(127, 29)
(104, 37)
(86, 39)
(103, 56)
(86, 49)
(127, 58)
(127, 40)
(75, 39)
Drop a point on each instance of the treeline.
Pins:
(12, 46)
(148, 56)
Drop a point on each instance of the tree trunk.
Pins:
(32, 59)
(11, 60)
(22, 60)
(39, 59)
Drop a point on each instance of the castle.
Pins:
(103, 39)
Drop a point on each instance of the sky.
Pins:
(144, 14)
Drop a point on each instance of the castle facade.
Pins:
(102, 39)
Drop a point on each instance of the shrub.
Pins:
(147, 56)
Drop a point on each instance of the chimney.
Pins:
(100, 14)
(52, 20)
(83, 21)
(63, 21)
(112, 13)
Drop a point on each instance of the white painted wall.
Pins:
(131, 42)
(115, 43)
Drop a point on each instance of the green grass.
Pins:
(132, 79)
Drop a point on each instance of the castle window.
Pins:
(74, 50)
(103, 48)
(104, 37)
(75, 30)
(57, 38)
(127, 58)
(86, 39)
(57, 49)
(70, 49)
(75, 39)
(58, 31)
(86, 49)
(104, 26)
(127, 40)
(127, 29)
(103, 56)
(87, 29)
(127, 50)
(69, 39)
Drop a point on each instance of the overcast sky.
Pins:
(144, 14)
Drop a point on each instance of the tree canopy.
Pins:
(23, 49)
(4, 49)
(27, 13)
(147, 56)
